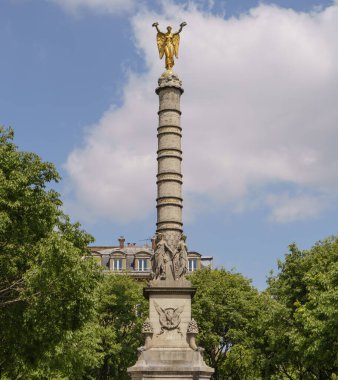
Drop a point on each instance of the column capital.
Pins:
(169, 80)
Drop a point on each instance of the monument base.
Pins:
(170, 351)
(170, 364)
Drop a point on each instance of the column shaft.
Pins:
(169, 157)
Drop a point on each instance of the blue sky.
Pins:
(259, 117)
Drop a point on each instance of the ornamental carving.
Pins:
(176, 130)
(172, 236)
(166, 200)
(147, 327)
(170, 318)
(169, 177)
(169, 152)
(192, 327)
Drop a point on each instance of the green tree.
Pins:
(106, 345)
(226, 307)
(46, 288)
(301, 332)
(121, 311)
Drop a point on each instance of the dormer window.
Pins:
(192, 264)
(117, 264)
(142, 265)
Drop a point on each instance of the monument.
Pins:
(170, 351)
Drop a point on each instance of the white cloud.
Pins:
(114, 171)
(109, 6)
(286, 208)
(259, 111)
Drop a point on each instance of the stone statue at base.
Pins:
(180, 260)
(164, 256)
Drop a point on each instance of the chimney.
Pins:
(153, 242)
(121, 241)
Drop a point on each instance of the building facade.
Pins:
(136, 260)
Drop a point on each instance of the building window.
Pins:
(142, 265)
(192, 265)
(117, 264)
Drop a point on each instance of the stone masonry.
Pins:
(169, 158)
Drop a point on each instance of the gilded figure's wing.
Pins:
(176, 43)
(160, 38)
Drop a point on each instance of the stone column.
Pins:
(170, 351)
(169, 158)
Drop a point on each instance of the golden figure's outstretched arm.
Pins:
(160, 38)
(183, 24)
(155, 24)
(176, 38)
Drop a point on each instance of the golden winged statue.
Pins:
(168, 44)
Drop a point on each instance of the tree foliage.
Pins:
(290, 331)
(226, 307)
(46, 288)
(301, 333)
(121, 311)
(61, 319)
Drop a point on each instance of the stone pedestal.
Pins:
(170, 351)
(170, 365)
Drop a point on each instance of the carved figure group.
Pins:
(163, 254)
(168, 44)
